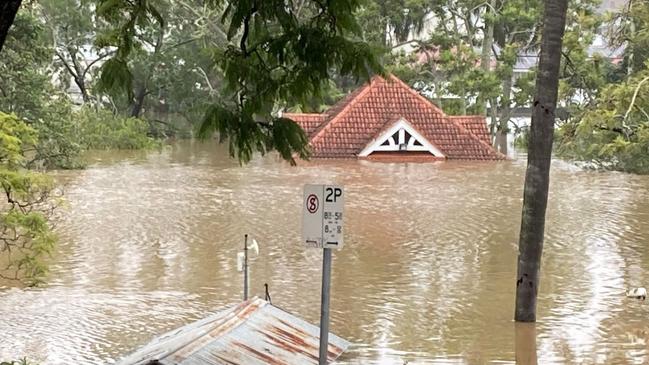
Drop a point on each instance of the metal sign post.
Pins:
(245, 268)
(324, 307)
(322, 227)
(242, 263)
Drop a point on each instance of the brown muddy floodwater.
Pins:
(149, 242)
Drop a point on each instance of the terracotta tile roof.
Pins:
(308, 121)
(476, 124)
(353, 123)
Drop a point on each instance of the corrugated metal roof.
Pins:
(253, 332)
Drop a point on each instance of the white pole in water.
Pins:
(324, 311)
(245, 268)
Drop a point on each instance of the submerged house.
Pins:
(386, 119)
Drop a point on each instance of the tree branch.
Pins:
(246, 30)
(207, 79)
(99, 58)
(635, 95)
(65, 63)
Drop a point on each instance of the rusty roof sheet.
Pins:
(253, 332)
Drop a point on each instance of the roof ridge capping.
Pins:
(467, 116)
(417, 94)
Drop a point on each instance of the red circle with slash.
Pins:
(312, 203)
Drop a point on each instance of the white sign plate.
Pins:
(322, 218)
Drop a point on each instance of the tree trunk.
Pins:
(488, 40)
(629, 45)
(462, 101)
(79, 74)
(537, 176)
(138, 103)
(383, 23)
(493, 114)
(8, 10)
(82, 87)
(458, 45)
(502, 128)
(485, 57)
(143, 88)
(438, 94)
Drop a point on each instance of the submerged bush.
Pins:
(22, 361)
(101, 129)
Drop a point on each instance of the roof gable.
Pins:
(400, 136)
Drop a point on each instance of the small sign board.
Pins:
(240, 259)
(322, 217)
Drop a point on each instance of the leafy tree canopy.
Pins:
(606, 103)
(26, 90)
(614, 134)
(276, 52)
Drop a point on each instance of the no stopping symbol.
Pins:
(312, 203)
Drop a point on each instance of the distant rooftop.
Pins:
(608, 5)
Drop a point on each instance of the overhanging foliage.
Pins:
(277, 52)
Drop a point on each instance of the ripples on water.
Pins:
(149, 242)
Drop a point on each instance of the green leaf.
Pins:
(116, 78)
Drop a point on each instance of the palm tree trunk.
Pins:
(537, 176)
(8, 10)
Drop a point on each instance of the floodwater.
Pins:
(427, 275)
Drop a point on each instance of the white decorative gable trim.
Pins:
(401, 137)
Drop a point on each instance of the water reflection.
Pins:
(525, 343)
(149, 242)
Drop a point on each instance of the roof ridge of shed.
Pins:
(231, 320)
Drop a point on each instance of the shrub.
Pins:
(25, 236)
(101, 129)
